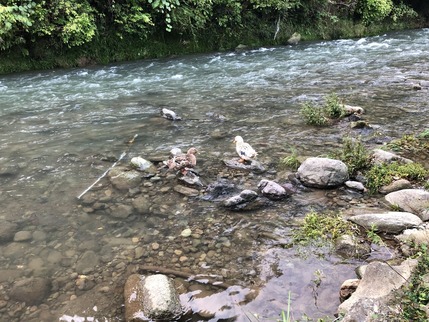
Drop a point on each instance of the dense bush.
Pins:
(35, 28)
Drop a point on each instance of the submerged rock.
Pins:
(219, 190)
(123, 179)
(32, 291)
(240, 201)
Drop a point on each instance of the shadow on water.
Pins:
(61, 130)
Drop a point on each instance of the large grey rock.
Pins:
(415, 201)
(392, 222)
(375, 289)
(323, 172)
(150, 298)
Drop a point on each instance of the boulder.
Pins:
(415, 201)
(322, 172)
(374, 290)
(392, 222)
(150, 298)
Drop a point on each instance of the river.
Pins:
(60, 130)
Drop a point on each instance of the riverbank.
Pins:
(112, 49)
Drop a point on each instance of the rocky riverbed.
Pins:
(224, 222)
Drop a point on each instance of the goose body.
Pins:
(244, 150)
(169, 114)
(182, 162)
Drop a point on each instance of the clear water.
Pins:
(56, 127)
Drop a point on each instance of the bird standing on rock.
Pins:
(244, 150)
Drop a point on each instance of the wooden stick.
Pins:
(107, 171)
(187, 276)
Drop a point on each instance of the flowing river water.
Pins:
(60, 130)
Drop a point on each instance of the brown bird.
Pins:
(182, 162)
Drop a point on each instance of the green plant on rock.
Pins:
(424, 134)
(334, 107)
(354, 155)
(323, 227)
(384, 174)
(313, 115)
(321, 115)
(291, 161)
(372, 235)
(411, 143)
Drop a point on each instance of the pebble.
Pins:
(186, 232)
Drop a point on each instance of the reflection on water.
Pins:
(61, 130)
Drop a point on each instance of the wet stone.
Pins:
(32, 291)
(7, 231)
(22, 236)
(87, 262)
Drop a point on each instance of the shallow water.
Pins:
(58, 127)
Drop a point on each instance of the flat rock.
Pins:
(7, 231)
(253, 165)
(392, 222)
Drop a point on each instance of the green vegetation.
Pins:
(372, 235)
(291, 161)
(322, 115)
(412, 144)
(354, 155)
(416, 296)
(324, 227)
(381, 175)
(65, 33)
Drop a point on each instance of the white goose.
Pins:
(244, 150)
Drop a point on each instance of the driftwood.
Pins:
(107, 171)
(188, 276)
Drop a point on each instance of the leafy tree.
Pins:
(374, 10)
(15, 21)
